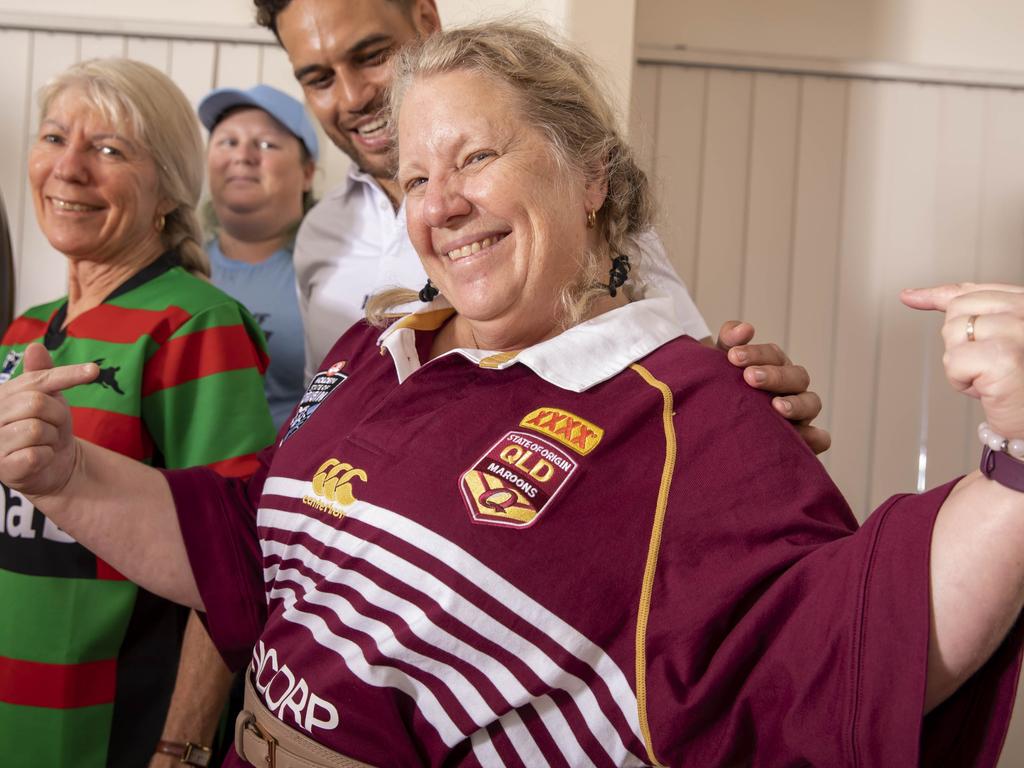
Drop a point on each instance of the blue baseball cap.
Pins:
(279, 105)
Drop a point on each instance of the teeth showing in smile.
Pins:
(67, 205)
(372, 129)
(469, 250)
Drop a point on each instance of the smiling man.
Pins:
(354, 242)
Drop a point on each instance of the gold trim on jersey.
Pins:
(424, 321)
(644, 612)
(497, 360)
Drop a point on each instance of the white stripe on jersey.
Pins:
(554, 719)
(377, 676)
(540, 618)
(389, 645)
(426, 630)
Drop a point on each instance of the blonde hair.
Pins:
(560, 95)
(143, 99)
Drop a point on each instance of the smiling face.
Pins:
(255, 166)
(499, 226)
(340, 51)
(94, 186)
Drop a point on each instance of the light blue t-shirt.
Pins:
(268, 291)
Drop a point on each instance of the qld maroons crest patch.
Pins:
(515, 480)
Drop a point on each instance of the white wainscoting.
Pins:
(804, 202)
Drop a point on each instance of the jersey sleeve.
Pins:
(662, 281)
(217, 516)
(203, 399)
(779, 629)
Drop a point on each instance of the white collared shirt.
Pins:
(353, 244)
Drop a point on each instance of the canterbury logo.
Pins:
(567, 428)
(332, 486)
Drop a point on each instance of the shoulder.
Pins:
(31, 325)
(194, 295)
(685, 366)
(709, 397)
(321, 218)
(358, 343)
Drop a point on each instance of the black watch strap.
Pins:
(1003, 468)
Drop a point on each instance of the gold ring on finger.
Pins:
(970, 327)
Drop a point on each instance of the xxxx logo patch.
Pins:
(515, 480)
(567, 428)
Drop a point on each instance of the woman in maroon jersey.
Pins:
(529, 523)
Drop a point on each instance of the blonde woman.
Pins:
(89, 658)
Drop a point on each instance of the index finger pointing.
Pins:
(939, 296)
(53, 380)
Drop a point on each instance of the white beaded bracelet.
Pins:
(997, 442)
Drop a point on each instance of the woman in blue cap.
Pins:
(260, 162)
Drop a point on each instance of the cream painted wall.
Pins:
(983, 34)
(605, 30)
(232, 12)
(240, 12)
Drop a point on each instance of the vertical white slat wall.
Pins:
(803, 203)
(720, 260)
(32, 57)
(817, 221)
(768, 239)
(39, 270)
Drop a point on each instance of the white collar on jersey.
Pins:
(578, 359)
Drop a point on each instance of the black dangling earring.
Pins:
(618, 274)
(428, 292)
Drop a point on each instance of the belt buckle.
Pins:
(271, 759)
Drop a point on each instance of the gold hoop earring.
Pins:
(160, 223)
(591, 219)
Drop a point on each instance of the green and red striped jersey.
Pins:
(87, 659)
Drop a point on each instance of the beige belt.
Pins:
(266, 742)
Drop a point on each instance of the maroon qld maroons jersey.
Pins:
(482, 566)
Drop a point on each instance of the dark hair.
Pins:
(268, 10)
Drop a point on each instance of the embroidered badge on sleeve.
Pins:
(318, 390)
(9, 364)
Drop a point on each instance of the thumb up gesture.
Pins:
(37, 449)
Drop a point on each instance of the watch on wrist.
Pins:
(186, 752)
(1003, 468)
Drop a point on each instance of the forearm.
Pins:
(977, 580)
(123, 511)
(200, 691)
